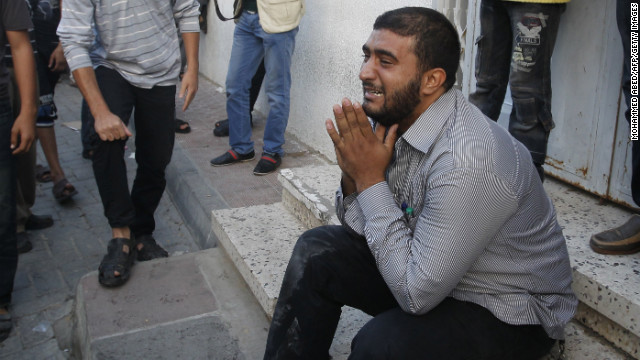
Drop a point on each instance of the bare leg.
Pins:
(47, 137)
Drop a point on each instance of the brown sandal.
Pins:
(63, 190)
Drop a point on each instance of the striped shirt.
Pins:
(139, 38)
(463, 214)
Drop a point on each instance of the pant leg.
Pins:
(328, 268)
(109, 167)
(246, 55)
(8, 245)
(623, 16)
(278, 51)
(453, 330)
(492, 58)
(26, 186)
(155, 135)
(535, 27)
(256, 84)
(86, 127)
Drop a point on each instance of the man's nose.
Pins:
(366, 70)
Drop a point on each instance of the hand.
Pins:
(189, 87)
(57, 61)
(110, 127)
(23, 134)
(362, 154)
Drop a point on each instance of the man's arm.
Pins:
(189, 86)
(23, 130)
(108, 125)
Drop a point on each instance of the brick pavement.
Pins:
(47, 276)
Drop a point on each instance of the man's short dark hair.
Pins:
(436, 42)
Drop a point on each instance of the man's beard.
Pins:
(397, 106)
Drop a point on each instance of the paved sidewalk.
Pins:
(47, 276)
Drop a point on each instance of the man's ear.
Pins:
(432, 80)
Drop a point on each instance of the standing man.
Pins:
(448, 238)
(15, 137)
(515, 47)
(137, 67)
(264, 30)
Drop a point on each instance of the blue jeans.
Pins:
(8, 246)
(251, 45)
(515, 48)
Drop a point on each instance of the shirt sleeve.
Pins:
(15, 16)
(76, 32)
(186, 13)
(463, 210)
(349, 213)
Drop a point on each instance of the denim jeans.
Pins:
(8, 245)
(330, 268)
(515, 48)
(623, 15)
(155, 135)
(251, 45)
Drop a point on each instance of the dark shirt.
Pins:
(14, 16)
(250, 5)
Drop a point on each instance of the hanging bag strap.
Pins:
(222, 17)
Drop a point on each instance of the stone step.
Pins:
(259, 240)
(607, 286)
(195, 300)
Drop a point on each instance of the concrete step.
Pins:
(607, 286)
(259, 240)
(197, 299)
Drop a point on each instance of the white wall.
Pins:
(326, 60)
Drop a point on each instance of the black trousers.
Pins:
(330, 268)
(153, 111)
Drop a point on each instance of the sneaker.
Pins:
(232, 157)
(24, 245)
(268, 163)
(624, 239)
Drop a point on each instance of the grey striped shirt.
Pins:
(138, 38)
(482, 228)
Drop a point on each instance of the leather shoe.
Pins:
(625, 239)
(38, 222)
(24, 245)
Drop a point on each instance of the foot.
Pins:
(5, 323)
(63, 190)
(624, 239)
(182, 127)
(115, 267)
(148, 249)
(38, 222)
(24, 244)
(232, 157)
(268, 163)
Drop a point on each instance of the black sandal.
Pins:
(150, 249)
(116, 260)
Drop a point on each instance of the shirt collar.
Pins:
(424, 132)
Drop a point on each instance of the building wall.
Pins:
(326, 60)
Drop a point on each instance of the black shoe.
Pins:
(150, 248)
(624, 239)
(268, 163)
(232, 157)
(38, 222)
(24, 245)
(222, 127)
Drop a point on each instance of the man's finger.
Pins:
(333, 133)
(341, 122)
(362, 120)
(350, 115)
(392, 136)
